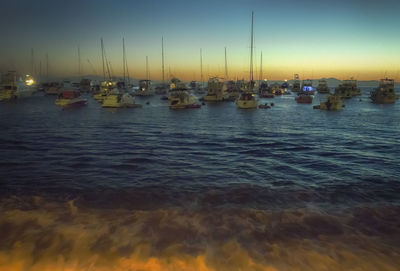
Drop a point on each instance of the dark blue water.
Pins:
(156, 189)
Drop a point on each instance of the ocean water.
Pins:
(216, 188)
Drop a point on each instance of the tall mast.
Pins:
(261, 71)
(251, 51)
(147, 68)
(102, 58)
(201, 68)
(47, 66)
(123, 57)
(40, 70)
(226, 67)
(32, 63)
(79, 61)
(162, 54)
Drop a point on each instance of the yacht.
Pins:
(348, 89)
(117, 99)
(322, 87)
(306, 87)
(385, 93)
(215, 90)
(145, 88)
(13, 88)
(179, 97)
(332, 102)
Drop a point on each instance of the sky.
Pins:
(325, 38)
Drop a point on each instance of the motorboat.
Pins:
(384, 93)
(117, 99)
(307, 87)
(215, 90)
(70, 97)
(332, 102)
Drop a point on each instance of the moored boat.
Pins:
(145, 88)
(13, 88)
(384, 93)
(296, 84)
(348, 89)
(304, 99)
(70, 98)
(332, 102)
(247, 99)
(215, 90)
(322, 87)
(117, 99)
(307, 87)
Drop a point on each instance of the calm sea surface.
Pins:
(216, 188)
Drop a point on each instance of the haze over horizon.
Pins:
(339, 39)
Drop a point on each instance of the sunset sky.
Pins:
(326, 38)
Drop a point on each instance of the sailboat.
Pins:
(106, 86)
(163, 88)
(231, 92)
(145, 86)
(247, 99)
(117, 98)
(200, 88)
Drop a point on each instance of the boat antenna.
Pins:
(226, 66)
(102, 58)
(251, 52)
(162, 61)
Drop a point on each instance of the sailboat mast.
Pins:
(32, 63)
(123, 57)
(261, 71)
(79, 61)
(162, 55)
(201, 68)
(147, 68)
(226, 67)
(47, 66)
(102, 58)
(251, 50)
